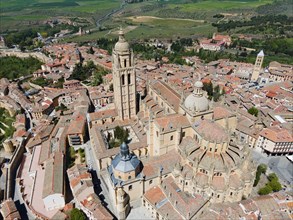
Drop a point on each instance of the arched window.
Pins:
(129, 187)
(125, 62)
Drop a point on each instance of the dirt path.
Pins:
(149, 18)
(125, 30)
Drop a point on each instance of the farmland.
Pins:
(185, 17)
(19, 14)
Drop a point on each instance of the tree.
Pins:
(13, 67)
(272, 177)
(208, 87)
(216, 93)
(253, 111)
(111, 87)
(42, 81)
(275, 185)
(257, 178)
(83, 72)
(91, 50)
(77, 214)
(61, 107)
(265, 190)
(121, 134)
(59, 83)
(262, 168)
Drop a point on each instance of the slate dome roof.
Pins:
(125, 161)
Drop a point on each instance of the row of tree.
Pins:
(25, 38)
(276, 7)
(278, 49)
(271, 45)
(254, 21)
(179, 45)
(107, 44)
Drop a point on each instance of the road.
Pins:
(105, 17)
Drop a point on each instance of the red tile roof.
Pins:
(277, 134)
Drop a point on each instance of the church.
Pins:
(182, 153)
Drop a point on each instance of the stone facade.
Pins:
(257, 66)
(184, 138)
(124, 79)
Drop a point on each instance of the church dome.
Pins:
(196, 101)
(125, 161)
(122, 45)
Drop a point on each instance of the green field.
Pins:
(167, 28)
(18, 14)
(212, 5)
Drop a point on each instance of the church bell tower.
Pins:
(257, 66)
(124, 79)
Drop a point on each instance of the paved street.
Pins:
(277, 164)
(139, 213)
(98, 185)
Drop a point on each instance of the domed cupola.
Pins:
(126, 165)
(124, 151)
(122, 45)
(196, 101)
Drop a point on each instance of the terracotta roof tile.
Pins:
(277, 134)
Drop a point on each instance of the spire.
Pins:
(121, 35)
(261, 54)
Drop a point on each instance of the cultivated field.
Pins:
(18, 14)
(148, 19)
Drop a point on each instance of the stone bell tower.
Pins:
(124, 79)
(257, 66)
